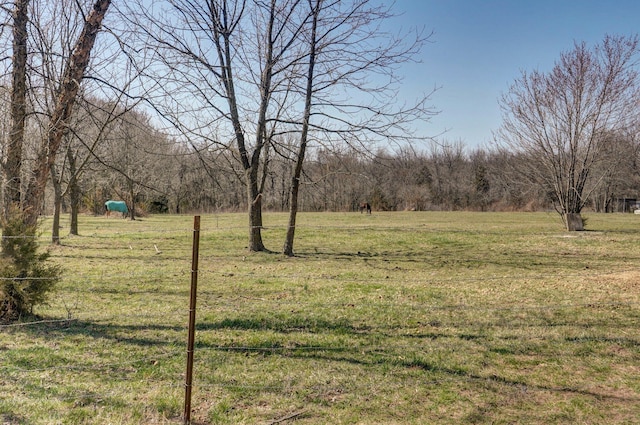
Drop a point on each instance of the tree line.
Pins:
(446, 177)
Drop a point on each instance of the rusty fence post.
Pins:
(192, 318)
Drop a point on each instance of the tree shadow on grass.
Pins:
(282, 325)
(473, 257)
(367, 355)
(12, 418)
(487, 382)
(117, 332)
(371, 357)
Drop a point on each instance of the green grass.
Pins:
(393, 318)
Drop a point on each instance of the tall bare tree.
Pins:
(345, 49)
(224, 78)
(315, 9)
(13, 163)
(74, 71)
(240, 74)
(55, 25)
(559, 120)
(81, 145)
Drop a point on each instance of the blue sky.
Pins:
(479, 47)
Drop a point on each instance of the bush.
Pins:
(26, 276)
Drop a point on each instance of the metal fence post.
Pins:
(192, 318)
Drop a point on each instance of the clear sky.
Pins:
(479, 47)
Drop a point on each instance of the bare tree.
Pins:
(559, 120)
(343, 48)
(75, 67)
(223, 78)
(448, 175)
(135, 154)
(238, 75)
(13, 163)
(55, 25)
(618, 171)
(316, 9)
(481, 184)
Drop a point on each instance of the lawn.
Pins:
(392, 318)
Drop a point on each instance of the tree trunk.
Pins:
(74, 193)
(295, 180)
(254, 187)
(293, 212)
(255, 215)
(57, 202)
(574, 222)
(73, 75)
(132, 210)
(13, 164)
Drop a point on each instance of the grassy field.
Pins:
(393, 318)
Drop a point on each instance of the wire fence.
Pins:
(295, 333)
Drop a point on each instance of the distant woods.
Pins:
(154, 173)
(164, 176)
